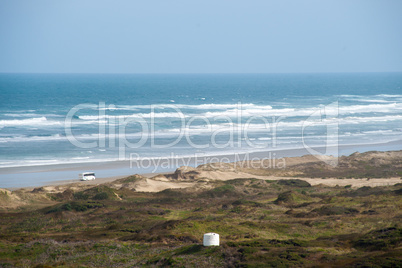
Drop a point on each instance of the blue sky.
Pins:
(220, 36)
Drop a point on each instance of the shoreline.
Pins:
(60, 174)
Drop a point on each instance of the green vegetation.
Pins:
(261, 223)
(294, 183)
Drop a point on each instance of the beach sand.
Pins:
(186, 177)
(61, 174)
(30, 177)
(370, 169)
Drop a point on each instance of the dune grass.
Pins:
(261, 223)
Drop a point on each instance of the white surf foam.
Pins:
(33, 122)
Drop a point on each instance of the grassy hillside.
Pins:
(260, 222)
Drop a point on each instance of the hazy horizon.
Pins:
(205, 73)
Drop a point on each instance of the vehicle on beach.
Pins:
(87, 176)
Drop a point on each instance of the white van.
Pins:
(87, 176)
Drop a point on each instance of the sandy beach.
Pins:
(262, 169)
(35, 176)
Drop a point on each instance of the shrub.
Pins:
(81, 196)
(101, 196)
(328, 210)
(224, 190)
(191, 249)
(76, 206)
(294, 183)
(380, 239)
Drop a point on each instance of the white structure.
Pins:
(87, 176)
(211, 239)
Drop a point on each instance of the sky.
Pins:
(200, 36)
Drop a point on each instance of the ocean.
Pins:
(58, 119)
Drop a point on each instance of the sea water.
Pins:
(50, 119)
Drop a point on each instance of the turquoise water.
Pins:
(122, 115)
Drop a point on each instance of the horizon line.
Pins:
(202, 73)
